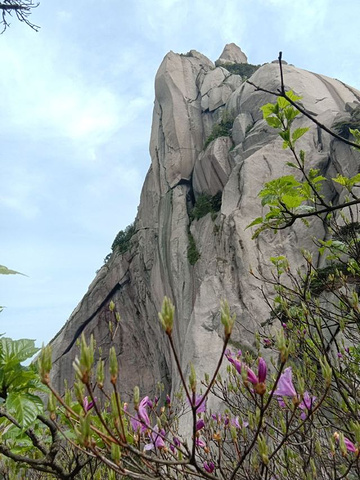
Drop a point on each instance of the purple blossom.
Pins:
(202, 407)
(306, 404)
(200, 424)
(141, 423)
(142, 412)
(216, 416)
(199, 442)
(285, 387)
(157, 440)
(251, 376)
(209, 466)
(350, 447)
(234, 361)
(88, 405)
(235, 423)
(262, 370)
(176, 443)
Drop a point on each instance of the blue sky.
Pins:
(76, 106)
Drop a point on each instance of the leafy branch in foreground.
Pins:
(288, 198)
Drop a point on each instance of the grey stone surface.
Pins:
(231, 54)
(157, 262)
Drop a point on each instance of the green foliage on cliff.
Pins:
(206, 204)
(122, 244)
(221, 129)
(245, 70)
(193, 253)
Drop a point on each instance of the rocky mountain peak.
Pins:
(231, 54)
(211, 152)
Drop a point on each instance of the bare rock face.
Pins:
(192, 100)
(231, 54)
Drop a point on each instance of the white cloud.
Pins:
(298, 19)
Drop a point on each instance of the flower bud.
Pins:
(111, 306)
(51, 406)
(45, 364)
(136, 397)
(115, 453)
(114, 367)
(226, 318)
(192, 378)
(100, 374)
(326, 371)
(166, 315)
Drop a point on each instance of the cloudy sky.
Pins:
(75, 116)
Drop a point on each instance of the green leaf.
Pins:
(292, 96)
(299, 132)
(355, 179)
(25, 407)
(255, 222)
(318, 179)
(290, 164)
(273, 122)
(292, 201)
(356, 134)
(282, 102)
(17, 350)
(291, 113)
(341, 180)
(267, 110)
(6, 271)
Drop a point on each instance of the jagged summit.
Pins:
(211, 152)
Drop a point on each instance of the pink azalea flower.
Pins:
(285, 387)
(200, 424)
(157, 440)
(141, 423)
(350, 447)
(209, 466)
(202, 407)
(251, 376)
(142, 412)
(88, 405)
(306, 404)
(235, 423)
(234, 361)
(200, 443)
(262, 370)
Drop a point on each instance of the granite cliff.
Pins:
(210, 149)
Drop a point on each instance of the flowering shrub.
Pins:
(288, 412)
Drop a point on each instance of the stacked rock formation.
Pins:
(192, 97)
